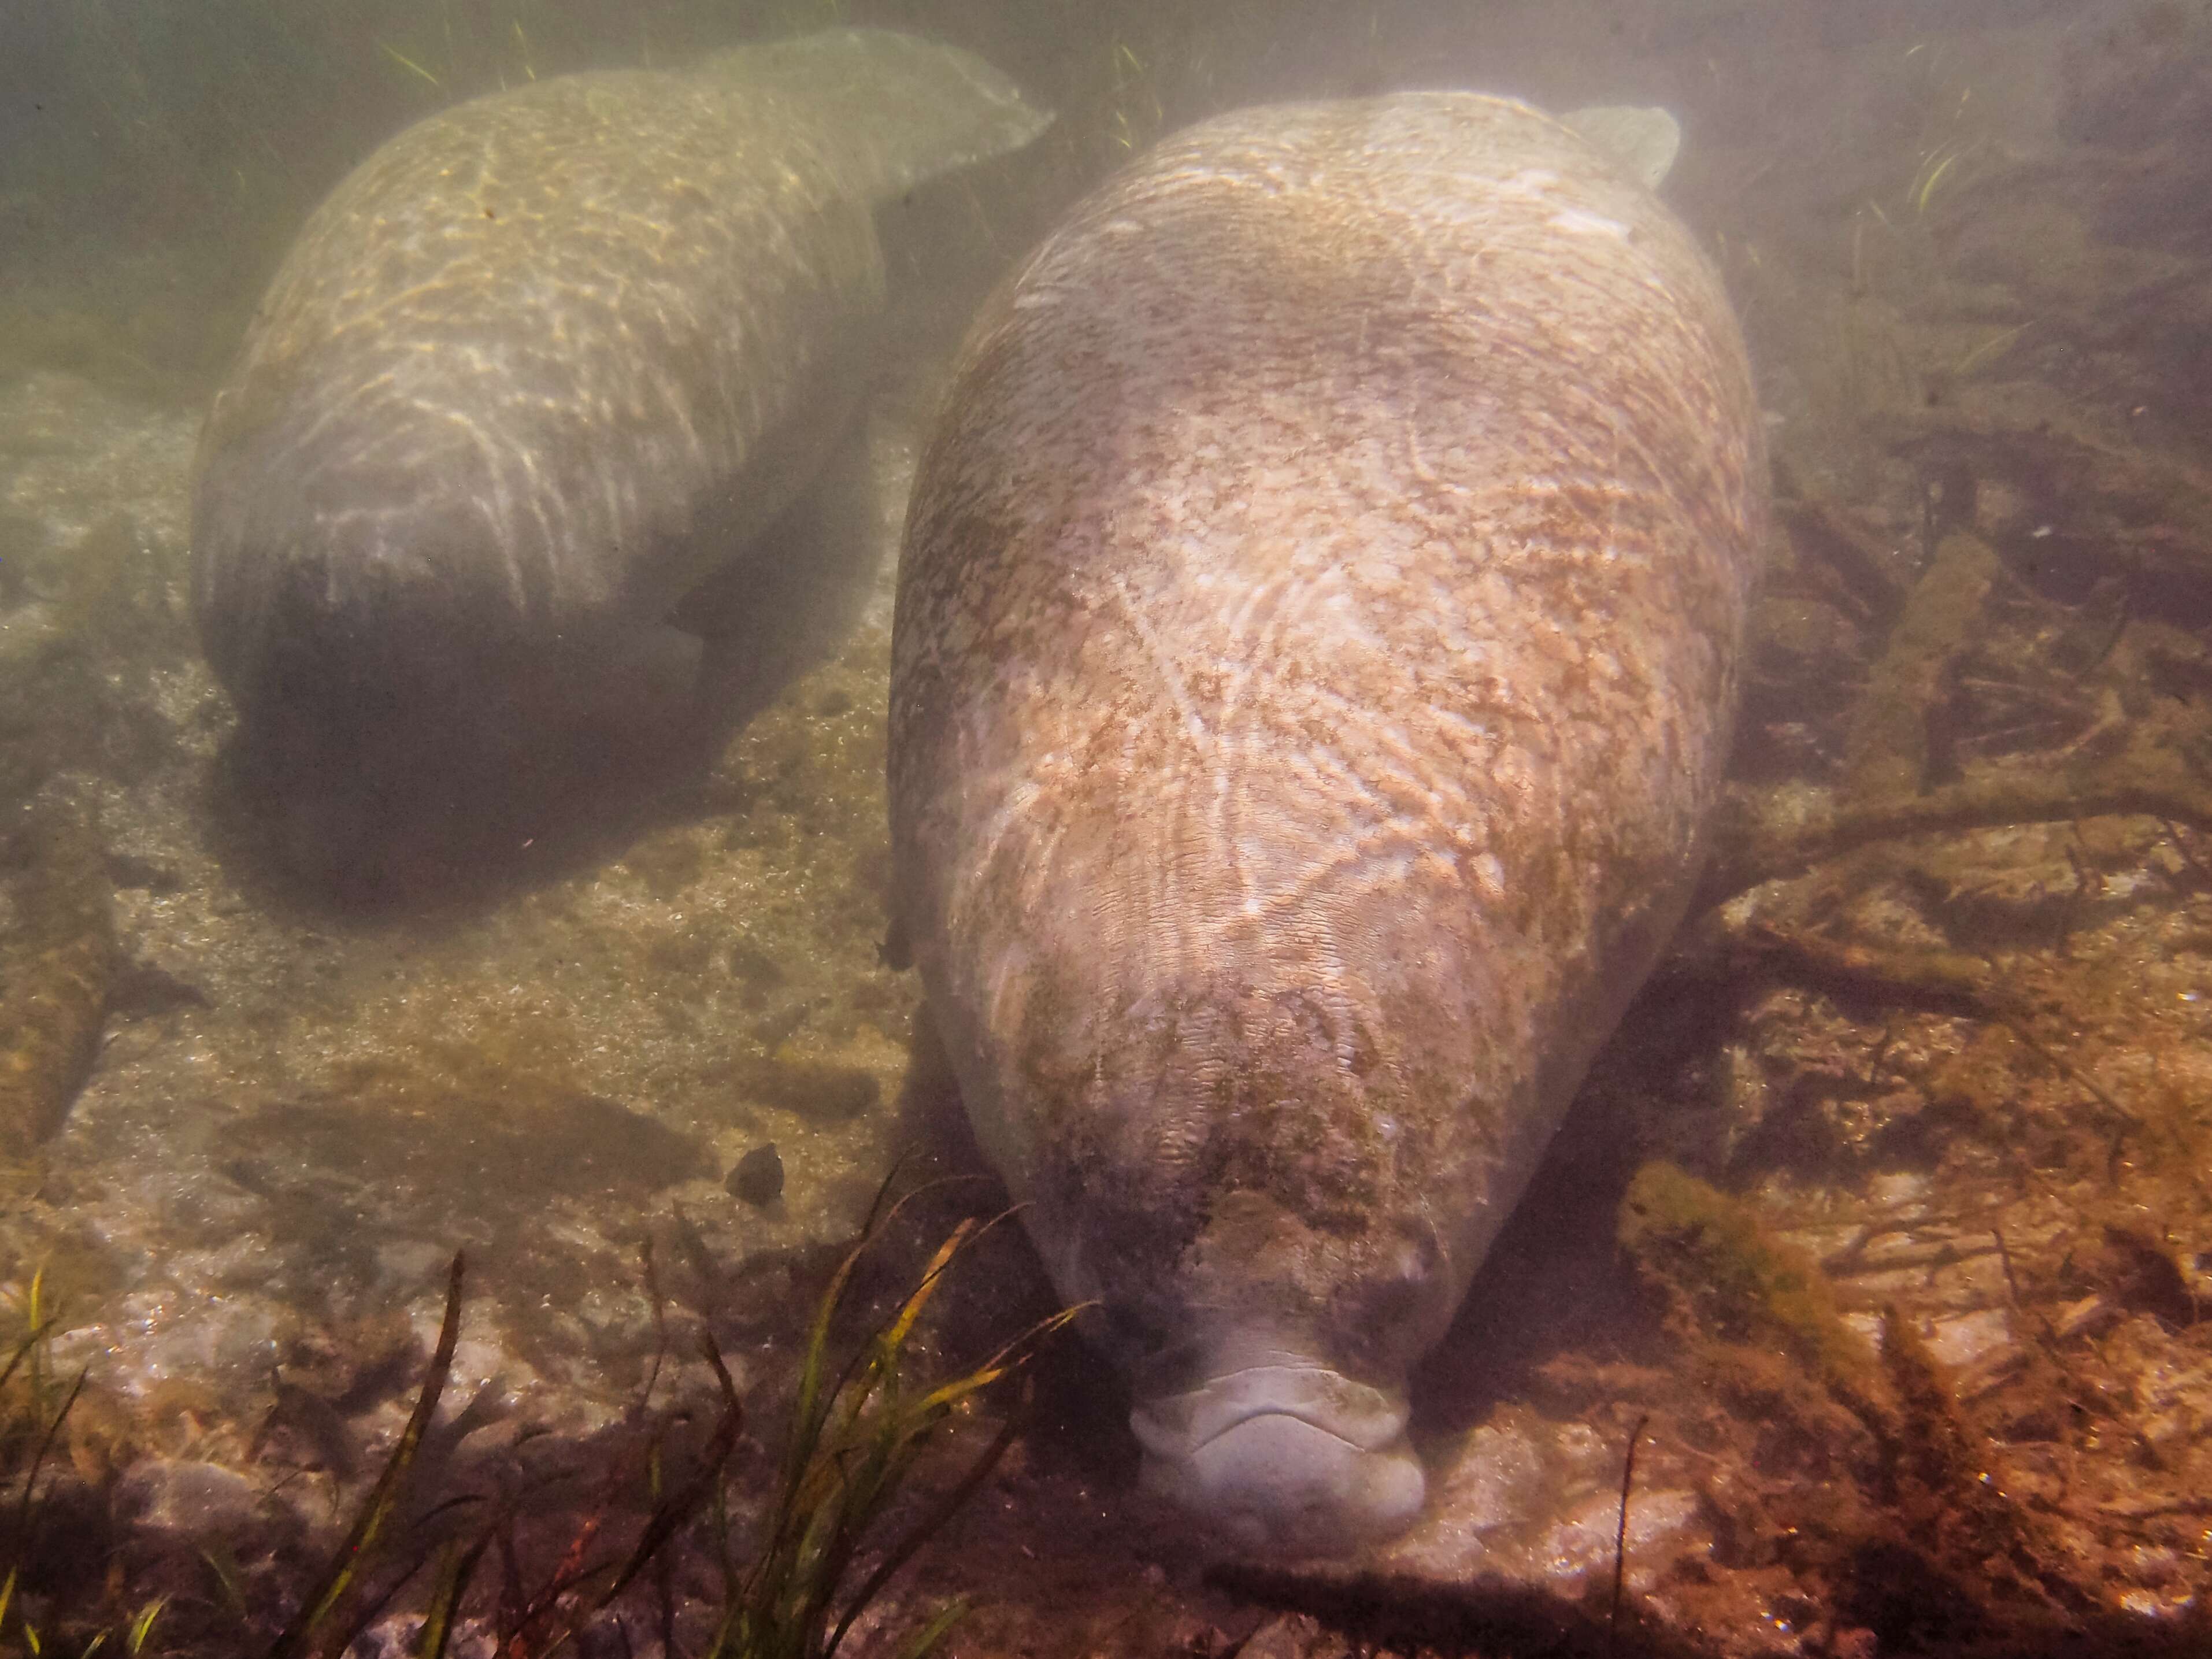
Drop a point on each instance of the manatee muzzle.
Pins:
(1285, 1460)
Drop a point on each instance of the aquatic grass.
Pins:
(37, 1420)
(338, 1608)
(454, 1573)
(136, 1634)
(142, 1627)
(39, 1458)
(1995, 346)
(1933, 168)
(26, 1512)
(849, 1454)
(31, 1347)
(557, 1611)
(823, 1552)
(856, 1435)
(409, 63)
(299, 1637)
(1133, 108)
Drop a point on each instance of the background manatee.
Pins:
(537, 368)
(1316, 645)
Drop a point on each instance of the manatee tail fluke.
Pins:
(910, 108)
(1643, 141)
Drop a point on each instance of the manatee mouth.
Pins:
(1286, 1460)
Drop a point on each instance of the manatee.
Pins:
(538, 369)
(1316, 641)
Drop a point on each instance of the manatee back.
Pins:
(534, 364)
(536, 368)
(1316, 636)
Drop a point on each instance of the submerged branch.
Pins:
(1756, 843)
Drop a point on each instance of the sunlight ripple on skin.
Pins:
(1313, 654)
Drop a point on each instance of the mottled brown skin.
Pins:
(540, 366)
(1316, 639)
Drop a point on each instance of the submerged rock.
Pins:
(758, 1177)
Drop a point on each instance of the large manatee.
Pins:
(1316, 640)
(537, 368)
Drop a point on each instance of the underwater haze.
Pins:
(446, 695)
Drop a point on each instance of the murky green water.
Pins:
(1924, 1363)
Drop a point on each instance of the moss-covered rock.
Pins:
(1725, 1275)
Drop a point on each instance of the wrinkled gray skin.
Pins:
(537, 368)
(1316, 641)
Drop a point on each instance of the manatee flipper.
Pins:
(903, 109)
(647, 677)
(782, 605)
(1646, 141)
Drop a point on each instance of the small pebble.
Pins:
(758, 1178)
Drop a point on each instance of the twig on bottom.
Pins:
(1620, 1533)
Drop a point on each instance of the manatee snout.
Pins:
(1289, 1458)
